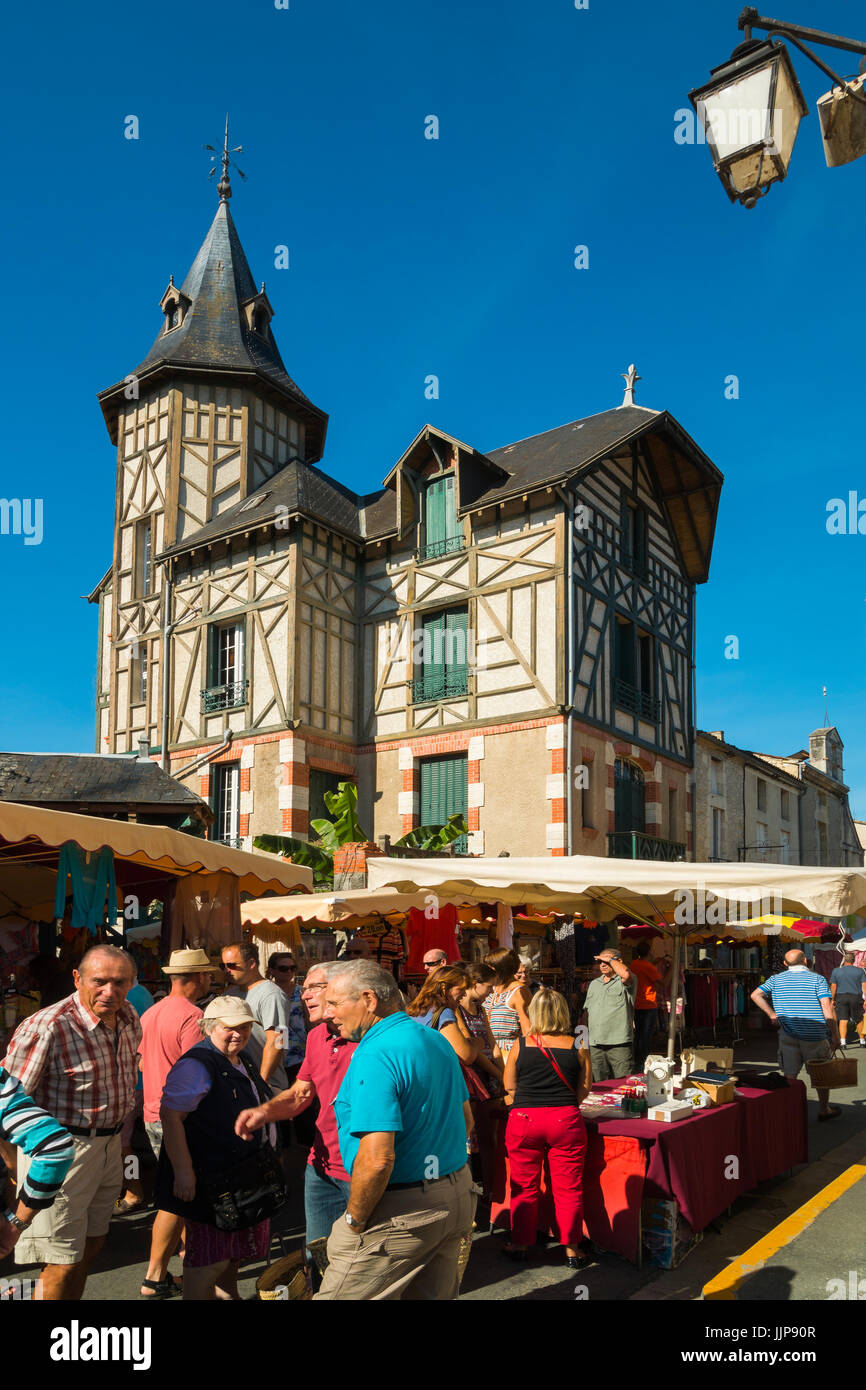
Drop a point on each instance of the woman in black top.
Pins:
(546, 1078)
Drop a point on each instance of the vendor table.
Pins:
(703, 1163)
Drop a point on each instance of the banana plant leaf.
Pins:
(344, 826)
(433, 837)
(300, 852)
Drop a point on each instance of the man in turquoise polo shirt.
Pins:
(403, 1117)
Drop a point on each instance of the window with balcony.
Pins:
(441, 657)
(441, 529)
(226, 782)
(633, 663)
(227, 686)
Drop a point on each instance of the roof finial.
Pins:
(631, 379)
(224, 188)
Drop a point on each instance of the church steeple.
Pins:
(218, 322)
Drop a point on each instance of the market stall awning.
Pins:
(590, 885)
(332, 909)
(27, 833)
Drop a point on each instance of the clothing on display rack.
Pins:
(94, 890)
(431, 934)
(207, 912)
(563, 937)
(387, 945)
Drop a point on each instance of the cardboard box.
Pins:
(709, 1058)
(720, 1091)
(671, 1110)
(667, 1237)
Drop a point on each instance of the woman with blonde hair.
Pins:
(508, 1002)
(546, 1078)
(436, 1005)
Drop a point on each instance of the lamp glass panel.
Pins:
(735, 116)
(787, 116)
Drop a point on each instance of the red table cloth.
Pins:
(703, 1163)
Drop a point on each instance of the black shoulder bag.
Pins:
(248, 1192)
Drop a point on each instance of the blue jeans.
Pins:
(324, 1201)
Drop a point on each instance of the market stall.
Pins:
(68, 881)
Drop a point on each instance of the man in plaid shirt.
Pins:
(77, 1059)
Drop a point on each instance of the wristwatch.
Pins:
(15, 1221)
(352, 1223)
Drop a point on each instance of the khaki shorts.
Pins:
(794, 1052)
(82, 1209)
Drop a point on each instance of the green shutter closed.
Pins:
(444, 791)
(442, 530)
(445, 655)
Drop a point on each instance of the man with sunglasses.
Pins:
(267, 1047)
(326, 1182)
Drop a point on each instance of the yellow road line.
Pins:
(725, 1284)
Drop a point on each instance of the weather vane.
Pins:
(224, 188)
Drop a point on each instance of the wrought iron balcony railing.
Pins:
(628, 697)
(439, 685)
(634, 844)
(434, 549)
(233, 841)
(218, 697)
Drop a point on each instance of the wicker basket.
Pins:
(834, 1074)
(285, 1279)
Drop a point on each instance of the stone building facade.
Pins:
(763, 808)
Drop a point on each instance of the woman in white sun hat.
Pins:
(204, 1093)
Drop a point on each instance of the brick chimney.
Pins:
(350, 864)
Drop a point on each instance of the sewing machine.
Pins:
(659, 1080)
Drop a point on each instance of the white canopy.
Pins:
(333, 908)
(685, 894)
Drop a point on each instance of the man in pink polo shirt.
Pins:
(173, 1028)
(326, 1183)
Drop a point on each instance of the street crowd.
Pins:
(407, 1109)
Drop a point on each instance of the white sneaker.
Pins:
(843, 1043)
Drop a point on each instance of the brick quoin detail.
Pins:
(557, 811)
(473, 772)
(245, 779)
(557, 760)
(244, 826)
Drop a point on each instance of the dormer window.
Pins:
(174, 305)
(258, 312)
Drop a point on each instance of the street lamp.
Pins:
(752, 108)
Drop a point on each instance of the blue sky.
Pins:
(453, 257)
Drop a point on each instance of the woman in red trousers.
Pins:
(546, 1078)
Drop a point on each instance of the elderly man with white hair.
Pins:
(403, 1117)
(326, 1182)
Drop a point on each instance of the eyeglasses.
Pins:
(232, 965)
(308, 989)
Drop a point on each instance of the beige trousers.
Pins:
(410, 1248)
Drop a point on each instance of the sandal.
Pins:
(161, 1288)
(122, 1208)
(832, 1114)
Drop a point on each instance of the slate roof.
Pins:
(531, 463)
(214, 334)
(299, 487)
(52, 779)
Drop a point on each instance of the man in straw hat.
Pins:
(172, 1029)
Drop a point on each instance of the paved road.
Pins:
(490, 1276)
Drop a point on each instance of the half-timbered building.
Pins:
(507, 633)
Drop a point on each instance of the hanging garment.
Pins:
(94, 890)
(504, 926)
(425, 934)
(206, 912)
(387, 945)
(565, 958)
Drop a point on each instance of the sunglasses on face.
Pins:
(232, 965)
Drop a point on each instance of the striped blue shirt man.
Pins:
(796, 997)
(30, 1128)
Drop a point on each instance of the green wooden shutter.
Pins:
(456, 634)
(434, 512)
(444, 791)
(453, 528)
(434, 650)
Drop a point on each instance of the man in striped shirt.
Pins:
(799, 1002)
(51, 1152)
(78, 1060)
